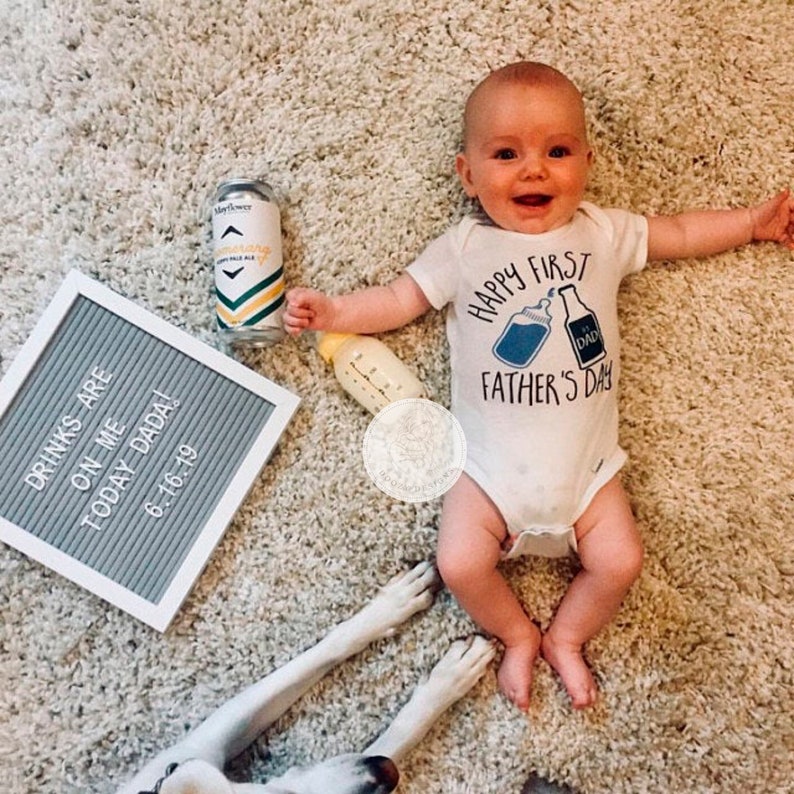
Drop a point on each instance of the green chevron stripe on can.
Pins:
(256, 317)
(233, 305)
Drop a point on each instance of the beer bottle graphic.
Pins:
(583, 329)
(524, 335)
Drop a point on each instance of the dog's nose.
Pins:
(383, 770)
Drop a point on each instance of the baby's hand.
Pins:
(774, 220)
(307, 309)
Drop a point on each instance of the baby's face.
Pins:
(526, 157)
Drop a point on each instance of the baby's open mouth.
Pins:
(533, 200)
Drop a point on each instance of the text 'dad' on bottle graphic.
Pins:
(583, 329)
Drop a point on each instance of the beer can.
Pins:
(249, 270)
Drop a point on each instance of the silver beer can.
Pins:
(249, 270)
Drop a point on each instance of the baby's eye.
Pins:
(505, 154)
(559, 151)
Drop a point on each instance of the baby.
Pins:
(530, 285)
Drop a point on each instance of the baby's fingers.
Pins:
(302, 296)
(294, 327)
(298, 312)
(297, 318)
(774, 219)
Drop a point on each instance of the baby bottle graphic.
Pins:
(583, 329)
(524, 335)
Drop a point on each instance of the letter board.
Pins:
(127, 447)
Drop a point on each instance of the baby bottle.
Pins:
(524, 335)
(368, 370)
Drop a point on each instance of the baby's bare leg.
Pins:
(469, 549)
(611, 553)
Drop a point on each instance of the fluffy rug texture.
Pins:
(119, 118)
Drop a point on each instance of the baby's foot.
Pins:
(515, 672)
(572, 669)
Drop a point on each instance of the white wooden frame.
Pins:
(159, 615)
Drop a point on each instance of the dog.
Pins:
(194, 765)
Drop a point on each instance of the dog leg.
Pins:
(239, 721)
(250, 713)
(452, 677)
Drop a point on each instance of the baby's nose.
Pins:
(533, 167)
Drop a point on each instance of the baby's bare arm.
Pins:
(701, 233)
(367, 311)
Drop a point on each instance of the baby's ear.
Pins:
(464, 172)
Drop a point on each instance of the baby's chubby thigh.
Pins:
(470, 535)
(608, 540)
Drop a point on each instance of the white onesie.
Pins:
(535, 355)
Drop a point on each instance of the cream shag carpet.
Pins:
(118, 120)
